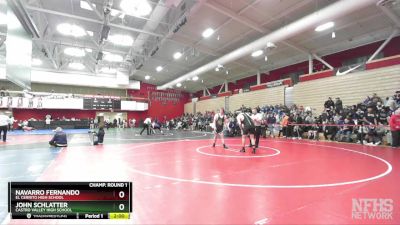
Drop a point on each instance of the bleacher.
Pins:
(383, 77)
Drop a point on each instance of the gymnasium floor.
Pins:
(179, 179)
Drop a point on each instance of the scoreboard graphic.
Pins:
(70, 200)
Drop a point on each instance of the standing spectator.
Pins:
(338, 105)
(96, 122)
(11, 123)
(394, 123)
(91, 125)
(100, 135)
(271, 121)
(4, 121)
(48, 121)
(375, 99)
(329, 104)
(284, 124)
(370, 119)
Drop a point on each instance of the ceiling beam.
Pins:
(96, 48)
(251, 24)
(208, 51)
(101, 17)
(241, 19)
(92, 20)
(389, 13)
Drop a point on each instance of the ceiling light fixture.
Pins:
(195, 78)
(36, 62)
(117, 13)
(90, 33)
(325, 26)
(159, 68)
(119, 39)
(136, 7)
(108, 70)
(112, 57)
(147, 77)
(76, 52)
(71, 30)
(88, 50)
(266, 58)
(179, 85)
(85, 5)
(208, 32)
(3, 19)
(76, 66)
(333, 35)
(257, 53)
(177, 55)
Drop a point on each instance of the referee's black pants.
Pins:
(257, 134)
(396, 138)
(145, 126)
(3, 129)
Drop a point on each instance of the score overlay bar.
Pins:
(70, 200)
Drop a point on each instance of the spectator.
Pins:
(329, 104)
(284, 124)
(391, 103)
(394, 123)
(59, 139)
(4, 122)
(48, 121)
(11, 123)
(344, 134)
(338, 105)
(330, 130)
(370, 119)
(271, 121)
(100, 135)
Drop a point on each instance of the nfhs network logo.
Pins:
(372, 208)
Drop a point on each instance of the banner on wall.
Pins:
(274, 84)
(67, 103)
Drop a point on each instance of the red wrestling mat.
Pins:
(286, 182)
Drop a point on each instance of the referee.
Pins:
(257, 119)
(146, 125)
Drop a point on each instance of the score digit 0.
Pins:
(121, 194)
(121, 207)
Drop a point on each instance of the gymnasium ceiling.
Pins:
(235, 23)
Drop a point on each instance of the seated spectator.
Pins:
(59, 139)
(330, 130)
(344, 133)
(370, 119)
(313, 132)
(298, 129)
